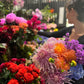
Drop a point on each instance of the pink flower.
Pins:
(51, 25)
(43, 26)
(38, 22)
(2, 65)
(20, 20)
(2, 22)
(42, 80)
(33, 13)
(39, 28)
(23, 60)
(34, 18)
(37, 10)
(10, 17)
(15, 2)
(14, 60)
(29, 22)
(22, 3)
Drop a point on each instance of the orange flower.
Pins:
(15, 28)
(69, 55)
(23, 25)
(60, 48)
(52, 10)
(61, 64)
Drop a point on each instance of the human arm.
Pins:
(57, 34)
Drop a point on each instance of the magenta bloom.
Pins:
(15, 2)
(14, 60)
(20, 20)
(2, 65)
(10, 17)
(2, 22)
(23, 60)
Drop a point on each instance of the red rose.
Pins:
(13, 81)
(35, 68)
(20, 73)
(35, 74)
(13, 67)
(28, 77)
(29, 69)
(20, 66)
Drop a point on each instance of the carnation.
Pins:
(28, 77)
(10, 17)
(12, 67)
(14, 59)
(13, 81)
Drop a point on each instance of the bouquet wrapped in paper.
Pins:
(60, 60)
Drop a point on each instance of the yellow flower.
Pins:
(56, 29)
(73, 63)
(51, 60)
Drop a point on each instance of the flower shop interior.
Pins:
(41, 41)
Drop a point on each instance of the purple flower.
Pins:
(10, 17)
(25, 42)
(77, 72)
(43, 39)
(74, 44)
(67, 34)
(2, 22)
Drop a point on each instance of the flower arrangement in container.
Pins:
(60, 60)
(13, 73)
(14, 32)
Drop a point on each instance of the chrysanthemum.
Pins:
(49, 71)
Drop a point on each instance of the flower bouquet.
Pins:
(14, 32)
(60, 60)
(12, 73)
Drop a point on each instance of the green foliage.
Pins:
(6, 75)
(6, 7)
(25, 13)
(47, 14)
